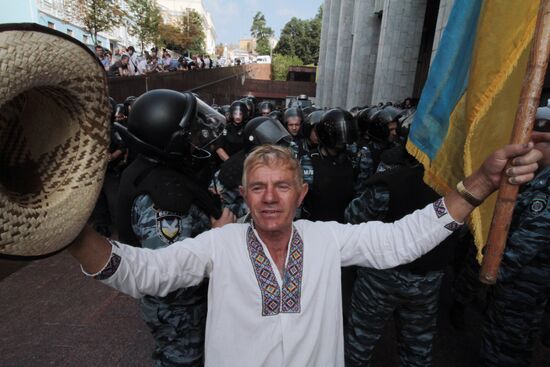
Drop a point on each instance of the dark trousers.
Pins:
(378, 294)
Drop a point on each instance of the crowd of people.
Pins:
(126, 62)
(160, 190)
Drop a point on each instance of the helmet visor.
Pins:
(210, 125)
(345, 132)
(272, 132)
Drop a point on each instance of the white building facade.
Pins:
(58, 14)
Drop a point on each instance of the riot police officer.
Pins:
(310, 140)
(277, 115)
(410, 292)
(103, 215)
(232, 141)
(328, 169)
(516, 303)
(226, 111)
(380, 127)
(250, 103)
(129, 102)
(265, 108)
(163, 198)
(293, 121)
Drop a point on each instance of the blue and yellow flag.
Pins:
(470, 98)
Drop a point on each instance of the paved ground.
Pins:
(53, 316)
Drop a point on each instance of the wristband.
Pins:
(467, 195)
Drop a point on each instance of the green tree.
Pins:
(281, 63)
(187, 36)
(193, 31)
(291, 42)
(172, 37)
(262, 33)
(301, 38)
(145, 21)
(97, 16)
(313, 37)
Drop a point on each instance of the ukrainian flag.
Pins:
(470, 98)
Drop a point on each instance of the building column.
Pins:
(330, 55)
(445, 7)
(366, 32)
(319, 92)
(400, 37)
(343, 54)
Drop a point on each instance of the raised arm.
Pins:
(486, 179)
(138, 271)
(381, 245)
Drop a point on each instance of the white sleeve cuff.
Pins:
(443, 215)
(110, 267)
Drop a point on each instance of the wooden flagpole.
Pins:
(523, 126)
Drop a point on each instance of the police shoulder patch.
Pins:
(538, 204)
(168, 225)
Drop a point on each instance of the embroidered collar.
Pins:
(275, 300)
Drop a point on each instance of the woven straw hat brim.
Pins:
(54, 138)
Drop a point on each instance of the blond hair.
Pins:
(272, 156)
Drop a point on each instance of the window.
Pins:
(51, 25)
(70, 32)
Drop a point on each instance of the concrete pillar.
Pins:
(445, 7)
(343, 53)
(330, 57)
(366, 32)
(400, 36)
(322, 53)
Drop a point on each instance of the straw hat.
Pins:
(54, 138)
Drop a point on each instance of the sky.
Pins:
(233, 18)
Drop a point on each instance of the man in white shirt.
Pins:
(133, 64)
(274, 292)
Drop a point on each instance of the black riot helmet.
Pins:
(336, 129)
(277, 115)
(129, 101)
(355, 110)
(252, 99)
(542, 119)
(265, 108)
(378, 127)
(249, 103)
(171, 126)
(293, 112)
(406, 121)
(364, 117)
(307, 110)
(310, 121)
(264, 130)
(239, 106)
(225, 110)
